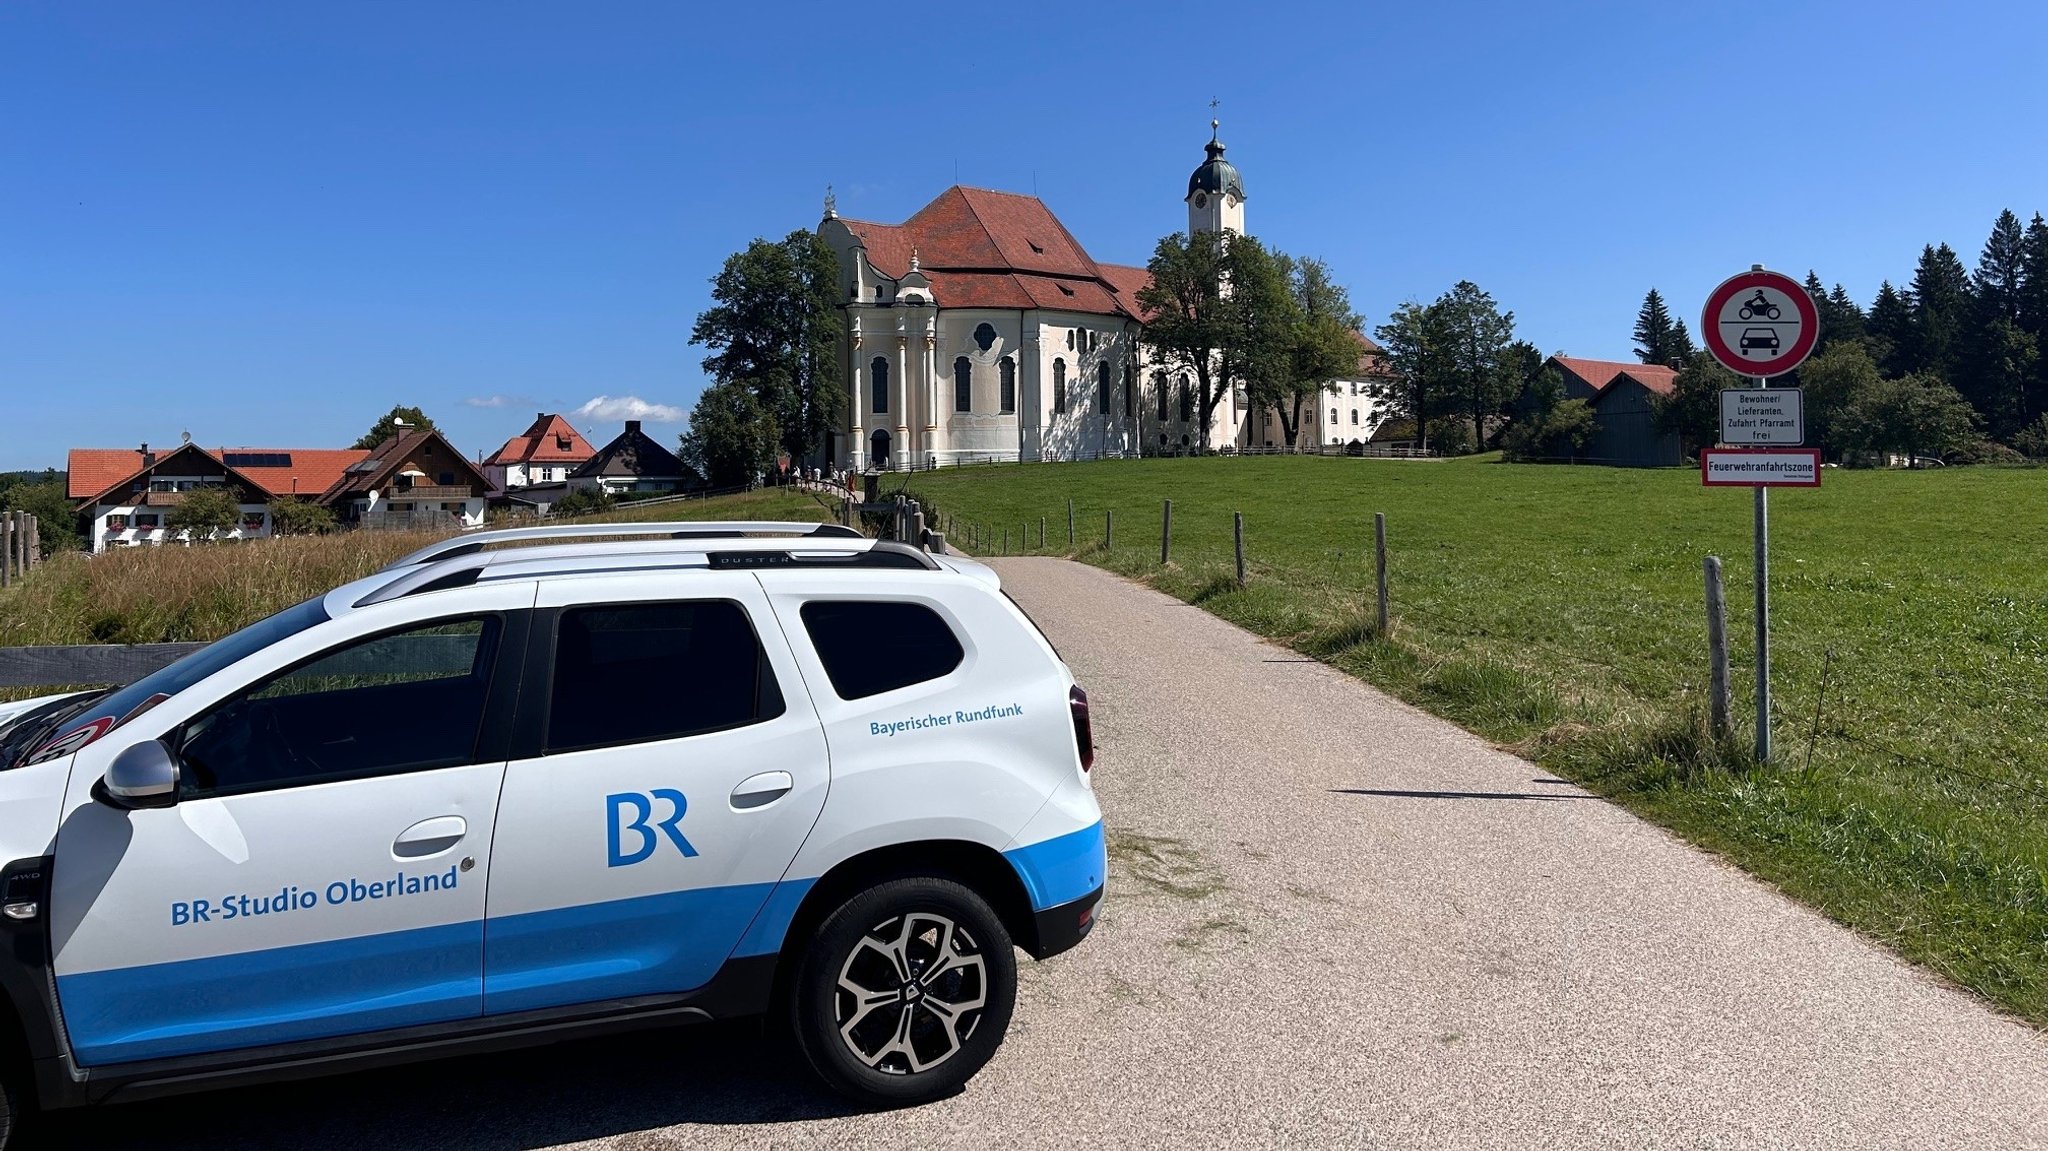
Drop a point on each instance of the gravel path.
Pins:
(1423, 942)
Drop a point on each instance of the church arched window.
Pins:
(1187, 401)
(1009, 389)
(879, 372)
(1130, 392)
(1333, 415)
(1159, 395)
(963, 390)
(1070, 339)
(985, 336)
(1102, 387)
(1059, 387)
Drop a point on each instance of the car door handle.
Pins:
(761, 790)
(429, 837)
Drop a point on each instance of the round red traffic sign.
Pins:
(1760, 323)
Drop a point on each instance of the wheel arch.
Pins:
(978, 867)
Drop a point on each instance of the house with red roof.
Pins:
(1624, 398)
(545, 453)
(980, 329)
(124, 496)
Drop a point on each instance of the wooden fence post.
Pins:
(1166, 533)
(1379, 549)
(1070, 525)
(1718, 702)
(35, 542)
(1108, 534)
(6, 548)
(1006, 543)
(1041, 533)
(1237, 530)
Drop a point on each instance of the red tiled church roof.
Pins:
(984, 249)
(543, 443)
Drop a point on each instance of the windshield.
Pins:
(69, 732)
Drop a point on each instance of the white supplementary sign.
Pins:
(1762, 416)
(1760, 467)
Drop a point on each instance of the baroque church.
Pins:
(980, 330)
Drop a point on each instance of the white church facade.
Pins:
(980, 330)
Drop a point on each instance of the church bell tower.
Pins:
(1215, 192)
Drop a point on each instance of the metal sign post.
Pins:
(1763, 618)
(1761, 324)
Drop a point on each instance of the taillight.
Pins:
(1084, 732)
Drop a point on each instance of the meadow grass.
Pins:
(1559, 611)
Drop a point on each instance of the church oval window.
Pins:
(985, 336)
(879, 370)
(1059, 387)
(1009, 386)
(963, 385)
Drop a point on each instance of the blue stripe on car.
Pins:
(1063, 868)
(276, 995)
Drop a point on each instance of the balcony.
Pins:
(430, 492)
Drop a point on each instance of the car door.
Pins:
(670, 766)
(323, 869)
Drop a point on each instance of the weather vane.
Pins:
(831, 203)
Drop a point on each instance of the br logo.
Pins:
(641, 807)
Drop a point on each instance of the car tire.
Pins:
(10, 1103)
(879, 1034)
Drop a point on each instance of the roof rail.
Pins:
(462, 570)
(671, 529)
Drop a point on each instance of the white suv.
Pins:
(502, 795)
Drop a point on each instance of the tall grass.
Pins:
(172, 594)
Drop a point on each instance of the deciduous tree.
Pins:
(774, 327)
(204, 513)
(1220, 314)
(387, 425)
(1322, 343)
(732, 439)
(1915, 415)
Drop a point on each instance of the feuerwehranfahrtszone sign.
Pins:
(1760, 323)
(1774, 416)
(1760, 467)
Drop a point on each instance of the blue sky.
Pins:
(267, 223)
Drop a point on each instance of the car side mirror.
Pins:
(145, 775)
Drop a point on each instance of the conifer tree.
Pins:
(1891, 329)
(1941, 314)
(1653, 330)
(2001, 270)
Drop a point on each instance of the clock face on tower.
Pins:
(1231, 199)
(1201, 199)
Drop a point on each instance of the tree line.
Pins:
(1949, 366)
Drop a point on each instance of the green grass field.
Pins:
(1559, 611)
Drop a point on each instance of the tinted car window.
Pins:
(634, 673)
(405, 701)
(872, 646)
(115, 708)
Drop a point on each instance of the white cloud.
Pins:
(497, 402)
(608, 409)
